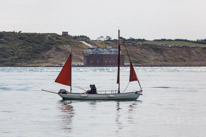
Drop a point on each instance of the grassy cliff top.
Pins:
(174, 42)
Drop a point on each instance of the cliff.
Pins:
(49, 49)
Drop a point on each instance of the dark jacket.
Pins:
(93, 91)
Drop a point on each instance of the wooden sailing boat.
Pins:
(65, 78)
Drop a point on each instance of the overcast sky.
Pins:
(149, 19)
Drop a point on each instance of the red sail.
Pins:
(64, 76)
(133, 76)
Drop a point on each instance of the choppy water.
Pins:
(173, 104)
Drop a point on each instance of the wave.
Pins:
(162, 87)
(5, 89)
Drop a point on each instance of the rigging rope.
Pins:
(80, 88)
(126, 87)
(48, 85)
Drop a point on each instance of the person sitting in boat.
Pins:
(93, 90)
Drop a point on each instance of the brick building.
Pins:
(102, 57)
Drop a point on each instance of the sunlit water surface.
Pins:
(173, 103)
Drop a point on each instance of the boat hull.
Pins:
(121, 96)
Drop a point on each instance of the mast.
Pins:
(71, 73)
(118, 69)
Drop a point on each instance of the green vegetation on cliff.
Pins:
(17, 49)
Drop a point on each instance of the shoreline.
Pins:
(115, 66)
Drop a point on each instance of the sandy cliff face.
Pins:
(58, 55)
(140, 54)
(176, 55)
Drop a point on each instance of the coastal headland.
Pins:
(49, 49)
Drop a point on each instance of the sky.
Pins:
(149, 19)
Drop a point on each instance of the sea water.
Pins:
(173, 103)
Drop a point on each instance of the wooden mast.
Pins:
(118, 71)
(71, 73)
